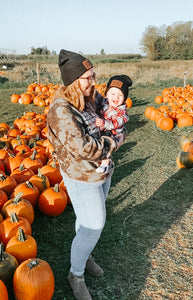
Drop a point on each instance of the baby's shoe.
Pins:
(102, 169)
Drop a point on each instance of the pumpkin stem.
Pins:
(29, 184)
(22, 237)
(39, 173)
(2, 177)
(33, 263)
(14, 218)
(21, 167)
(18, 197)
(1, 251)
(54, 163)
(11, 154)
(34, 154)
(56, 188)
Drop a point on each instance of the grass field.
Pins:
(146, 248)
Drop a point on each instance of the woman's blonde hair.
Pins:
(74, 95)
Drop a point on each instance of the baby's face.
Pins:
(115, 97)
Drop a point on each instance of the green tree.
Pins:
(148, 42)
(102, 52)
(171, 42)
(40, 50)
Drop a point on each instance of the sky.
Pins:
(86, 26)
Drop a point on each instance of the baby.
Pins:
(113, 111)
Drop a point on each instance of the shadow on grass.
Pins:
(131, 234)
(134, 123)
(139, 102)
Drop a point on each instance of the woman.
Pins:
(79, 149)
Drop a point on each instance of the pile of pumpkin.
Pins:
(38, 94)
(42, 95)
(29, 177)
(176, 108)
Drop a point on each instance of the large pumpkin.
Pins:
(33, 280)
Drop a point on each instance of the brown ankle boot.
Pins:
(93, 268)
(78, 286)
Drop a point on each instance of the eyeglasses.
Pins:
(90, 79)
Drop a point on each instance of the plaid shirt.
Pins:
(114, 117)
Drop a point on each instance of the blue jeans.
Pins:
(88, 201)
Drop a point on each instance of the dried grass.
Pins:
(143, 72)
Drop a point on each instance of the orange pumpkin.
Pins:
(184, 121)
(41, 181)
(129, 102)
(21, 174)
(25, 99)
(22, 246)
(32, 162)
(20, 206)
(15, 98)
(52, 171)
(10, 225)
(52, 201)
(158, 99)
(7, 184)
(29, 190)
(33, 279)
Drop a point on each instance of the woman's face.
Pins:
(87, 80)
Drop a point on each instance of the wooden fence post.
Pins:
(185, 73)
(38, 73)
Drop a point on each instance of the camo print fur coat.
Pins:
(78, 144)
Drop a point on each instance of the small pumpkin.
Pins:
(52, 201)
(32, 162)
(41, 181)
(184, 121)
(158, 99)
(29, 190)
(33, 279)
(166, 123)
(52, 171)
(7, 184)
(10, 225)
(12, 162)
(20, 206)
(22, 246)
(22, 174)
(15, 98)
(129, 102)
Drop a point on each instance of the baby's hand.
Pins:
(99, 122)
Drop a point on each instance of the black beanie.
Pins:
(122, 82)
(72, 65)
